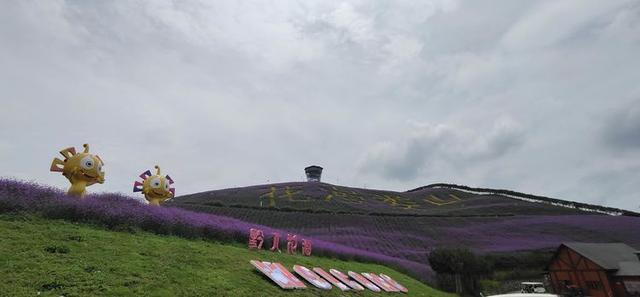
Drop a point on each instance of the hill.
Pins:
(57, 258)
(407, 225)
(432, 200)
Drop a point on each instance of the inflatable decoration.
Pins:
(312, 277)
(319, 278)
(363, 281)
(81, 169)
(156, 188)
(346, 280)
(331, 279)
(380, 282)
(278, 274)
(390, 280)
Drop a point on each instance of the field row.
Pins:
(411, 238)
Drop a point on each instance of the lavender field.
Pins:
(408, 225)
(411, 237)
(362, 225)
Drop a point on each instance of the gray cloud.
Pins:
(391, 95)
(441, 147)
(622, 129)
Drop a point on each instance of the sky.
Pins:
(541, 97)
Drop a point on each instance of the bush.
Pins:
(460, 266)
(533, 260)
(489, 286)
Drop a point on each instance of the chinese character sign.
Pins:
(292, 243)
(306, 247)
(275, 246)
(256, 239)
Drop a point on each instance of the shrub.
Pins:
(465, 267)
(489, 286)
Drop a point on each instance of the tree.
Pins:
(462, 264)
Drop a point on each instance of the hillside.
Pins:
(407, 225)
(57, 258)
(433, 200)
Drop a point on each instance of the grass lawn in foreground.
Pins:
(54, 258)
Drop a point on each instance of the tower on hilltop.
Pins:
(313, 173)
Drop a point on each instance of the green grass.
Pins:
(54, 258)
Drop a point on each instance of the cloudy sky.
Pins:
(536, 96)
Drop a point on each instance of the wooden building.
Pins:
(595, 269)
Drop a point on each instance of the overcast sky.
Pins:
(541, 97)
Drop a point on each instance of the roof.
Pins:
(630, 268)
(606, 255)
(313, 167)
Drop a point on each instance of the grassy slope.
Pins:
(60, 258)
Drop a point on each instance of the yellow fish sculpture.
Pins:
(156, 188)
(82, 170)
